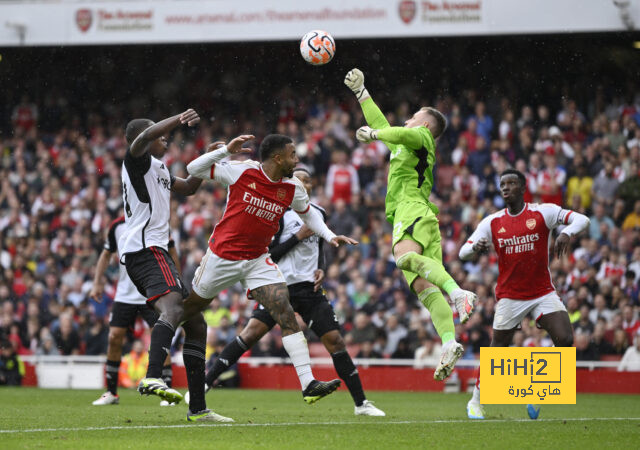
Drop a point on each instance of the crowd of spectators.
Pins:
(60, 189)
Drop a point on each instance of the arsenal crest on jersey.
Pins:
(531, 223)
(281, 194)
(407, 10)
(84, 19)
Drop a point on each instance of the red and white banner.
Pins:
(81, 22)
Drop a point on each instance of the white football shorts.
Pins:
(215, 274)
(510, 313)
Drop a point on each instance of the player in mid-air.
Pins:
(520, 234)
(416, 234)
(259, 195)
(298, 253)
(128, 304)
(147, 185)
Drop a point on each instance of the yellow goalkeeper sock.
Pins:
(440, 311)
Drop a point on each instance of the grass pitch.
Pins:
(38, 418)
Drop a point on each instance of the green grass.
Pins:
(280, 419)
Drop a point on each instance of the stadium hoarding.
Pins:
(78, 22)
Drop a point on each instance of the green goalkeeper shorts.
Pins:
(417, 222)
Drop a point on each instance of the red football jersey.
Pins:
(522, 245)
(255, 204)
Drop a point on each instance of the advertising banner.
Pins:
(76, 22)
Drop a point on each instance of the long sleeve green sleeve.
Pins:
(374, 117)
(411, 138)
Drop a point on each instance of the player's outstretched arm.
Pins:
(313, 219)
(190, 185)
(201, 167)
(139, 145)
(409, 137)
(101, 266)
(372, 114)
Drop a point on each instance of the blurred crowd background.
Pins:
(575, 133)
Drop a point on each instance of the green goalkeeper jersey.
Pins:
(413, 154)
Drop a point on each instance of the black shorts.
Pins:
(312, 306)
(154, 273)
(124, 315)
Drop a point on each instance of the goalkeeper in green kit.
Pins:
(416, 233)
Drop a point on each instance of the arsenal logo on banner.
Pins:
(83, 19)
(531, 223)
(407, 10)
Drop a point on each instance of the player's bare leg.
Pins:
(346, 370)
(558, 325)
(408, 255)
(169, 306)
(501, 338)
(114, 356)
(275, 298)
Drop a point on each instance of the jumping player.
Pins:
(298, 253)
(259, 195)
(128, 304)
(520, 234)
(147, 185)
(416, 234)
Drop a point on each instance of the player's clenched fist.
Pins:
(366, 134)
(355, 81)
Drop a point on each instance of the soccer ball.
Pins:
(317, 47)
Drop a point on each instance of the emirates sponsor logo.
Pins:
(518, 240)
(531, 223)
(262, 208)
(262, 203)
(519, 244)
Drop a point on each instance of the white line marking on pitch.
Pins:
(400, 422)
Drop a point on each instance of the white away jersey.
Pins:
(146, 191)
(522, 245)
(126, 291)
(255, 205)
(300, 263)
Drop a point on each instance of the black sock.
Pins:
(193, 355)
(228, 357)
(161, 338)
(112, 376)
(167, 374)
(348, 372)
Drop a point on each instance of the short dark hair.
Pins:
(135, 127)
(520, 175)
(273, 143)
(441, 121)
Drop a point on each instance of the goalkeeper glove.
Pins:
(355, 81)
(366, 134)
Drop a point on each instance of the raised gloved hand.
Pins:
(355, 81)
